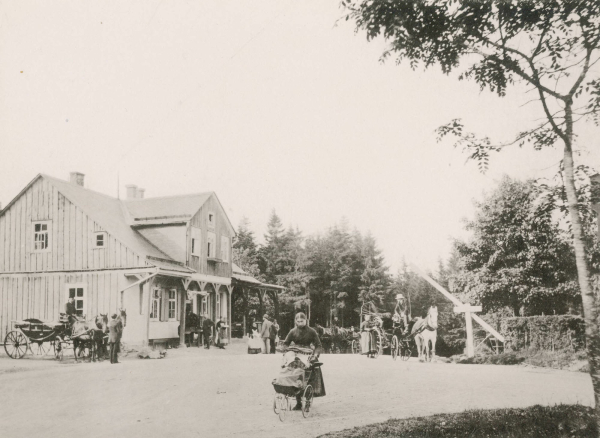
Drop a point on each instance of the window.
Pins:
(41, 236)
(225, 248)
(155, 305)
(77, 292)
(218, 309)
(172, 304)
(99, 239)
(211, 245)
(211, 219)
(196, 241)
(204, 305)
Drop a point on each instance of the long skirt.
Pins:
(365, 342)
(316, 381)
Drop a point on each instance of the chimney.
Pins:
(77, 178)
(140, 193)
(131, 191)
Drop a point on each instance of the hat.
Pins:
(114, 316)
(266, 316)
(399, 297)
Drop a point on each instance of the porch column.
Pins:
(182, 298)
(229, 306)
(245, 306)
(148, 302)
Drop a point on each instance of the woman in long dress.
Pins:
(306, 337)
(254, 341)
(365, 336)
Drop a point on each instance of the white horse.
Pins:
(425, 330)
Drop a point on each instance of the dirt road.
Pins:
(194, 392)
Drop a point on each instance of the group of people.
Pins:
(209, 330)
(399, 319)
(268, 337)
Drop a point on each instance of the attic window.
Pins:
(211, 219)
(99, 239)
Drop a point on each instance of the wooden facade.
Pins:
(128, 269)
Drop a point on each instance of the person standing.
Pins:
(70, 310)
(207, 331)
(265, 334)
(221, 332)
(115, 328)
(273, 335)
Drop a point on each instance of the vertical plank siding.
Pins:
(221, 228)
(28, 286)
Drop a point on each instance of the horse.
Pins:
(425, 330)
(88, 334)
(326, 337)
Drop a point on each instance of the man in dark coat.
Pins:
(115, 328)
(273, 335)
(207, 331)
(70, 310)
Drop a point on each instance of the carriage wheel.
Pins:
(394, 347)
(378, 344)
(355, 347)
(277, 403)
(307, 398)
(16, 344)
(284, 406)
(405, 351)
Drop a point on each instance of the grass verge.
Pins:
(562, 360)
(536, 421)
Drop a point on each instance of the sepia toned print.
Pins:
(299, 218)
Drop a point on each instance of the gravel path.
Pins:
(194, 392)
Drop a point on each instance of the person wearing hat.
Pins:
(265, 334)
(115, 328)
(400, 313)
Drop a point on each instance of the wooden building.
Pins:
(149, 256)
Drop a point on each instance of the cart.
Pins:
(32, 334)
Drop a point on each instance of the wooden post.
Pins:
(466, 309)
(182, 320)
(150, 285)
(470, 349)
(245, 306)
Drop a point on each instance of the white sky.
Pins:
(268, 103)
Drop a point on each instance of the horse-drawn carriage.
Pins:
(379, 332)
(87, 339)
(335, 339)
(46, 337)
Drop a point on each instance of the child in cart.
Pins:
(305, 337)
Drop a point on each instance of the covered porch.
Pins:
(244, 285)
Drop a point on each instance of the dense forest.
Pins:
(517, 261)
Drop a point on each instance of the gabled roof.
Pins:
(166, 207)
(107, 211)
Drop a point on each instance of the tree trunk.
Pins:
(275, 298)
(592, 334)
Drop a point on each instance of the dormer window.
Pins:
(100, 239)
